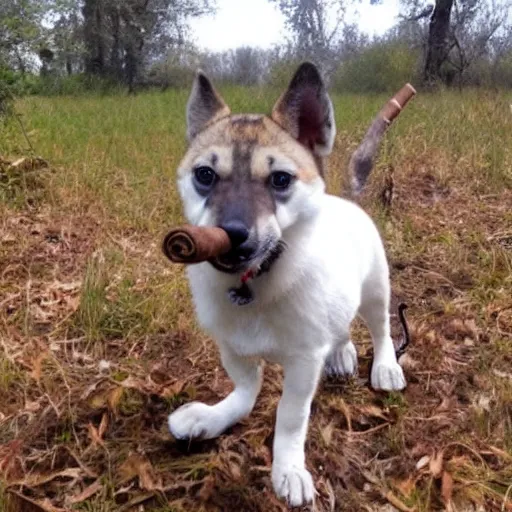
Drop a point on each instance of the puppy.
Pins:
(316, 261)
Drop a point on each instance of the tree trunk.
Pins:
(21, 63)
(69, 65)
(437, 40)
(94, 37)
(116, 64)
(130, 66)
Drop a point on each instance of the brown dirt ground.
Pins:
(86, 430)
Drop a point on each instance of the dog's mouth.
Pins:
(260, 262)
(230, 263)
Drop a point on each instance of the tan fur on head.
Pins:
(267, 138)
(244, 153)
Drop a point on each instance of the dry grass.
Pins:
(98, 342)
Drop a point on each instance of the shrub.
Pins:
(282, 72)
(5, 101)
(380, 68)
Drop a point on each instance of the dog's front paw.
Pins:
(388, 376)
(195, 421)
(295, 484)
(342, 361)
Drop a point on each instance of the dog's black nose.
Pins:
(237, 232)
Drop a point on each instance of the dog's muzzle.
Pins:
(243, 251)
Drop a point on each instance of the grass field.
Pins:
(98, 341)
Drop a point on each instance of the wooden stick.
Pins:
(194, 244)
(361, 162)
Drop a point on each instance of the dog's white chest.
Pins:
(270, 331)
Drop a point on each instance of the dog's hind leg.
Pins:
(342, 360)
(374, 310)
(198, 420)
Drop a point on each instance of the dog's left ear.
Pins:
(205, 105)
(305, 111)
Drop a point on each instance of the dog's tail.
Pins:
(361, 162)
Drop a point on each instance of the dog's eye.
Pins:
(205, 176)
(281, 180)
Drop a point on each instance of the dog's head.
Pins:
(255, 175)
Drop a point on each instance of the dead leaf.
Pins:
(327, 433)
(174, 389)
(331, 495)
(406, 487)
(449, 403)
(85, 494)
(422, 462)
(94, 433)
(10, 455)
(500, 453)
(446, 487)
(37, 365)
(502, 375)
(373, 411)
(207, 488)
(134, 383)
(114, 397)
(45, 505)
(436, 464)
(103, 426)
(28, 164)
(407, 362)
(472, 327)
(459, 461)
(396, 502)
(388, 495)
(80, 357)
(90, 389)
(8, 238)
(139, 466)
(73, 303)
(19, 163)
(32, 406)
(37, 479)
(191, 392)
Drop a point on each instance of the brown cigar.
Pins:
(194, 244)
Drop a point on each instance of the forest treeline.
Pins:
(68, 46)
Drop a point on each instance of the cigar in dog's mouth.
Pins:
(195, 244)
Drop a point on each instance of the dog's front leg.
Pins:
(198, 420)
(290, 478)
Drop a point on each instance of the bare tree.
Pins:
(121, 36)
(315, 25)
(437, 49)
(475, 26)
(459, 33)
(21, 32)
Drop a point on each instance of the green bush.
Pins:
(5, 101)
(167, 74)
(282, 72)
(19, 84)
(379, 68)
(70, 85)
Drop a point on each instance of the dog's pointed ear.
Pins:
(204, 106)
(305, 111)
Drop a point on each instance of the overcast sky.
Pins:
(259, 23)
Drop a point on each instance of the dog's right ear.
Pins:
(204, 106)
(305, 111)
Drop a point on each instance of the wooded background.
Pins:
(63, 46)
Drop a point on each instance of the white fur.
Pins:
(334, 268)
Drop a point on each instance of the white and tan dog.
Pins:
(318, 261)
